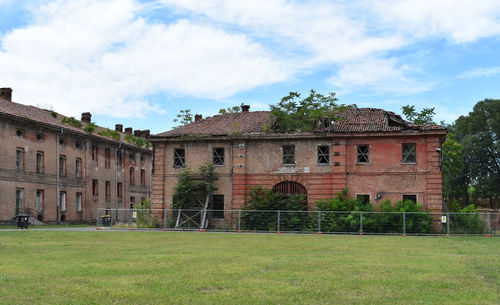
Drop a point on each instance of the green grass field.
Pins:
(209, 268)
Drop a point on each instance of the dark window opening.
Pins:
(142, 158)
(409, 153)
(218, 206)
(78, 167)
(132, 175)
(62, 142)
(78, 145)
(132, 157)
(95, 189)
(95, 151)
(107, 158)
(179, 157)
(119, 191)
(363, 198)
(63, 217)
(132, 202)
(20, 133)
(20, 159)
(410, 197)
(19, 201)
(108, 191)
(324, 154)
(363, 154)
(39, 137)
(288, 154)
(143, 176)
(62, 166)
(39, 162)
(39, 200)
(119, 158)
(218, 156)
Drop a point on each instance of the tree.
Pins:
(184, 117)
(230, 110)
(423, 117)
(294, 113)
(192, 189)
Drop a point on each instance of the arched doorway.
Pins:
(291, 188)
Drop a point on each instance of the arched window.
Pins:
(291, 188)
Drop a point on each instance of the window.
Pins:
(288, 154)
(79, 145)
(95, 189)
(409, 153)
(20, 133)
(363, 198)
(142, 158)
(108, 191)
(143, 176)
(62, 201)
(132, 202)
(218, 156)
(40, 166)
(95, 151)
(19, 200)
(119, 158)
(410, 197)
(218, 206)
(131, 156)
(62, 142)
(78, 168)
(119, 191)
(107, 158)
(62, 166)
(20, 159)
(39, 200)
(39, 137)
(78, 202)
(323, 154)
(363, 154)
(132, 175)
(179, 157)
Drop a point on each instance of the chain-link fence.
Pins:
(342, 222)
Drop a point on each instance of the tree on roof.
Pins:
(184, 117)
(424, 117)
(294, 113)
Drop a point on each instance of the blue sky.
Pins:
(139, 62)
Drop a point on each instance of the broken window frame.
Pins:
(288, 154)
(365, 198)
(179, 157)
(409, 153)
(218, 156)
(363, 154)
(62, 166)
(95, 152)
(323, 154)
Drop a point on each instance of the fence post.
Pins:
(239, 220)
(404, 223)
(97, 217)
(130, 212)
(489, 224)
(361, 223)
(448, 223)
(278, 227)
(319, 221)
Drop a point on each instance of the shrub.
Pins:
(466, 221)
(71, 121)
(90, 128)
(144, 218)
(110, 134)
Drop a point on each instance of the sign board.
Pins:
(443, 219)
(134, 214)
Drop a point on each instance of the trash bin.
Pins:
(106, 220)
(22, 221)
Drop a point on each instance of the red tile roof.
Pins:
(43, 116)
(355, 120)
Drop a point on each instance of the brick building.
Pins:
(372, 152)
(57, 171)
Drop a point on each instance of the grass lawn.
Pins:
(210, 268)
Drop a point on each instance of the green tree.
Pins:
(230, 110)
(294, 113)
(191, 189)
(184, 117)
(424, 117)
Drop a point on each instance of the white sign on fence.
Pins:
(134, 214)
(443, 219)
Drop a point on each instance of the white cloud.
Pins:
(480, 72)
(457, 20)
(99, 56)
(385, 75)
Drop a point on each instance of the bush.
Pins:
(465, 221)
(144, 218)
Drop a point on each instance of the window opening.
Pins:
(132, 176)
(143, 176)
(39, 200)
(179, 157)
(20, 159)
(324, 154)
(292, 188)
(95, 189)
(107, 158)
(363, 154)
(19, 201)
(289, 154)
(78, 202)
(39, 162)
(409, 153)
(108, 191)
(363, 198)
(218, 156)
(78, 167)
(410, 197)
(62, 201)
(218, 206)
(95, 151)
(62, 166)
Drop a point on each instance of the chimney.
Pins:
(198, 117)
(245, 108)
(6, 94)
(145, 133)
(137, 133)
(128, 130)
(86, 117)
(119, 127)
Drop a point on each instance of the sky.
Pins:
(139, 62)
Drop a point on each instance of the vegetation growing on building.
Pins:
(71, 121)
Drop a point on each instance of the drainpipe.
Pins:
(57, 175)
(116, 182)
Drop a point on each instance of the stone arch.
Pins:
(291, 188)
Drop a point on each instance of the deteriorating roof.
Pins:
(45, 117)
(352, 120)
